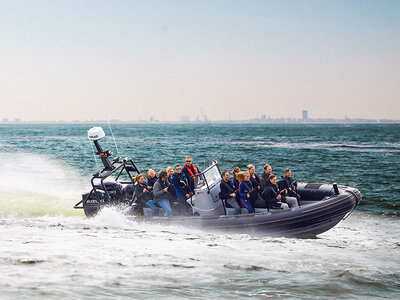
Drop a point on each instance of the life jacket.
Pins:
(190, 170)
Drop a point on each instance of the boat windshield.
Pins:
(211, 175)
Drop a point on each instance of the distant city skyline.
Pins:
(226, 60)
(305, 119)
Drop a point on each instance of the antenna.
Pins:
(116, 147)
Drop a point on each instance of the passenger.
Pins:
(254, 178)
(161, 194)
(271, 194)
(265, 176)
(151, 178)
(171, 188)
(228, 192)
(244, 190)
(289, 184)
(234, 180)
(170, 172)
(190, 170)
(144, 195)
(182, 188)
(288, 181)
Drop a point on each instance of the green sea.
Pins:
(49, 250)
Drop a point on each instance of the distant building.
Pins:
(17, 120)
(5, 119)
(185, 119)
(305, 114)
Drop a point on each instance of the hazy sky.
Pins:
(129, 60)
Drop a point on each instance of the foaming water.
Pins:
(38, 185)
(110, 255)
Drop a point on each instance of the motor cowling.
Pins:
(114, 189)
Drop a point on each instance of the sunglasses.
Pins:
(188, 161)
(178, 169)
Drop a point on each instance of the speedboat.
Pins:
(321, 206)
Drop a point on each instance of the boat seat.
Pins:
(261, 210)
(230, 211)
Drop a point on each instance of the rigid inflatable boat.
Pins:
(321, 206)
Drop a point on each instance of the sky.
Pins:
(131, 60)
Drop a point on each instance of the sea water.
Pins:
(49, 250)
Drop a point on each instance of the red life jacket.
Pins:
(190, 171)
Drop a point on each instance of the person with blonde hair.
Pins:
(151, 178)
(254, 178)
(245, 188)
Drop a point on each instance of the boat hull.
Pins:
(302, 222)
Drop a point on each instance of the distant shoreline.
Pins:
(245, 122)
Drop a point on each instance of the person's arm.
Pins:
(158, 190)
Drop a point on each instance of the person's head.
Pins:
(288, 173)
(189, 161)
(163, 175)
(150, 174)
(243, 176)
(178, 168)
(272, 178)
(267, 169)
(235, 170)
(252, 169)
(170, 171)
(225, 175)
(139, 178)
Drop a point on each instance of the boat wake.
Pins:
(34, 184)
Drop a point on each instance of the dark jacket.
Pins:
(159, 193)
(152, 181)
(287, 182)
(270, 193)
(235, 182)
(189, 177)
(142, 197)
(264, 178)
(255, 181)
(244, 188)
(227, 188)
(181, 184)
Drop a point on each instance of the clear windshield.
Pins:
(212, 175)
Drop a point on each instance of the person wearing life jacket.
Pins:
(190, 171)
